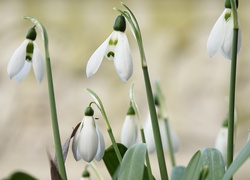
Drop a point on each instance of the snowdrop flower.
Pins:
(88, 143)
(221, 36)
(116, 48)
(25, 56)
(164, 138)
(221, 142)
(129, 129)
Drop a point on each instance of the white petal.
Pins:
(101, 144)
(38, 63)
(123, 59)
(75, 151)
(226, 48)
(217, 35)
(24, 72)
(149, 135)
(88, 139)
(96, 59)
(129, 131)
(17, 60)
(221, 142)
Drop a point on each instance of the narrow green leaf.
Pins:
(239, 160)
(177, 172)
(20, 176)
(110, 159)
(194, 167)
(132, 166)
(213, 159)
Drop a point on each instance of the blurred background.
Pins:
(175, 34)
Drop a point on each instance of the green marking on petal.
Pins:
(29, 51)
(111, 53)
(227, 16)
(113, 42)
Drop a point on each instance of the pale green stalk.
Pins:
(156, 131)
(132, 99)
(230, 148)
(56, 132)
(98, 174)
(109, 129)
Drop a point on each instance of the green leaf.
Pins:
(20, 176)
(110, 159)
(194, 167)
(132, 166)
(177, 172)
(213, 159)
(239, 160)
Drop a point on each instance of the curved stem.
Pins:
(55, 126)
(109, 129)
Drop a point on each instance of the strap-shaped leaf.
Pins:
(239, 160)
(177, 172)
(194, 167)
(132, 166)
(212, 158)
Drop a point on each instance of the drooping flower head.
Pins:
(88, 143)
(116, 48)
(129, 129)
(25, 56)
(221, 36)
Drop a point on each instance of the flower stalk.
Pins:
(159, 148)
(109, 129)
(230, 148)
(55, 126)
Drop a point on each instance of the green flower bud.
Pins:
(31, 34)
(225, 123)
(131, 111)
(89, 111)
(86, 173)
(120, 23)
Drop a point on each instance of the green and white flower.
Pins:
(221, 36)
(221, 142)
(129, 129)
(115, 47)
(88, 143)
(25, 56)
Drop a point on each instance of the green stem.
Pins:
(230, 148)
(55, 127)
(150, 175)
(117, 151)
(170, 143)
(109, 129)
(93, 166)
(155, 125)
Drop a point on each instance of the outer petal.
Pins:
(217, 35)
(24, 72)
(88, 139)
(38, 63)
(221, 142)
(123, 59)
(17, 60)
(75, 151)
(96, 59)
(129, 131)
(226, 48)
(101, 144)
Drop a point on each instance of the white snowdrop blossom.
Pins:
(115, 47)
(221, 142)
(129, 129)
(221, 36)
(25, 56)
(88, 143)
(164, 138)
